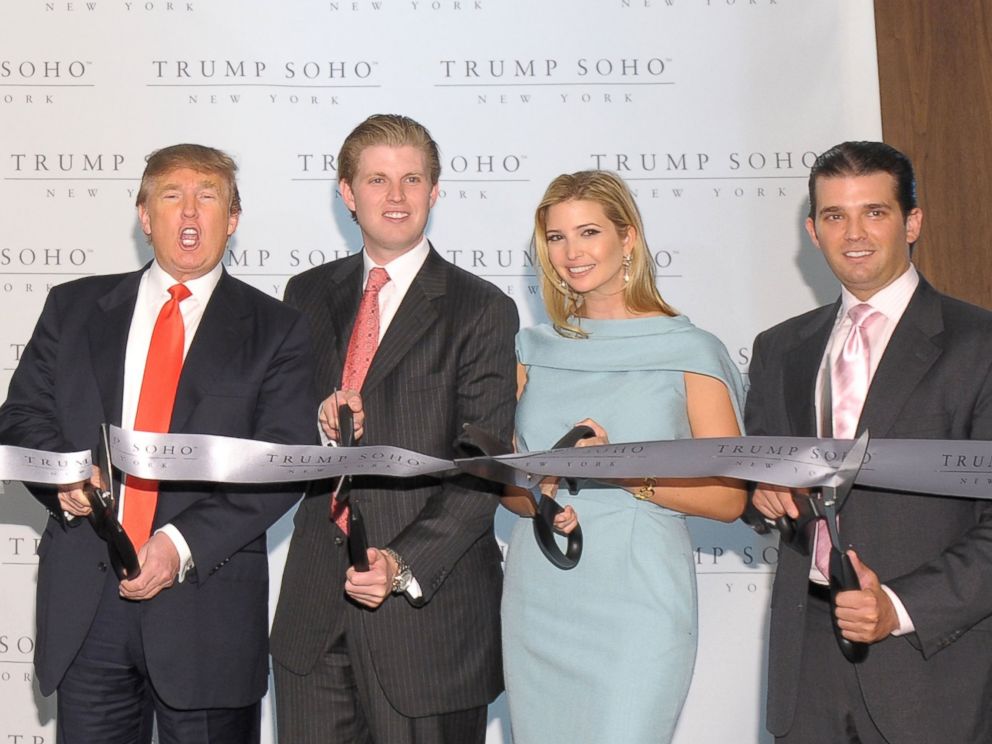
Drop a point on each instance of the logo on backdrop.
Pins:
(742, 6)
(43, 82)
(434, 7)
(480, 183)
(725, 175)
(738, 569)
(593, 79)
(269, 82)
(151, 9)
(72, 176)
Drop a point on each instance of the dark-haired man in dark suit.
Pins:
(901, 360)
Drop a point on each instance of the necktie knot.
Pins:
(179, 292)
(378, 277)
(863, 315)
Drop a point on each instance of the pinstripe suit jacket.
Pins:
(446, 359)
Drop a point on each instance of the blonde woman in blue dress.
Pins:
(604, 652)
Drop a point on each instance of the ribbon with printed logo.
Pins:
(956, 468)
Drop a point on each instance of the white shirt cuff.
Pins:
(413, 589)
(324, 439)
(182, 547)
(905, 622)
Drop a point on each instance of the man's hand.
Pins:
(328, 417)
(72, 496)
(370, 588)
(774, 501)
(159, 563)
(866, 615)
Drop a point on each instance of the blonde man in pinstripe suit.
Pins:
(407, 653)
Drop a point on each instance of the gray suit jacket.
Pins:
(249, 374)
(933, 382)
(446, 359)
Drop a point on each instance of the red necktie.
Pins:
(361, 348)
(849, 379)
(158, 394)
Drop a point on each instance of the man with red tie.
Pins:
(894, 357)
(408, 651)
(179, 346)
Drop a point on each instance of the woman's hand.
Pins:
(566, 521)
(599, 434)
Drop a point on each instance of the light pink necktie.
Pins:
(361, 348)
(849, 379)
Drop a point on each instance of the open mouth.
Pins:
(580, 270)
(189, 237)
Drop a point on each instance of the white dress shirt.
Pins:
(891, 301)
(153, 293)
(402, 270)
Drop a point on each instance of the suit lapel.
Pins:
(415, 315)
(910, 354)
(108, 343)
(343, 298)
(224, 327)
(802, 364)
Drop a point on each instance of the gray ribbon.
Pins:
(39, 466)
(957, 468)
(206, 457)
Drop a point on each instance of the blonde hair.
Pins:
(640, 294)
(199, 158)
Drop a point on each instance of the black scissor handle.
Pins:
(548, 509)
(103, 514)
(358, 541)
(544, 532)
(844, 578)
(103, 518)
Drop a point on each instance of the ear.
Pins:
(435, 190)
(232, 223)
(628, 239)
(347, 194)
(146, 223)
(811, 231)
(914, 224)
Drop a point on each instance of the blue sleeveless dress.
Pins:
(604, 652)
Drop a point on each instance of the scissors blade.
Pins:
(494, 470)
(849, 470)
(106, 467)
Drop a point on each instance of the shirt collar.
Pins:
(401, 269)
(159, 281)
(891, 300)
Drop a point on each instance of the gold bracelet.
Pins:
(646, 491)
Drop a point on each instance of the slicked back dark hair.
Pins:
(864, 159)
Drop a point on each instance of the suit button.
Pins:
(338, 540)
(102, 566)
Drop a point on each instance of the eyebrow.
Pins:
(871, 205)
(203, 182)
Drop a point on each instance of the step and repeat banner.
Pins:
(713, 110)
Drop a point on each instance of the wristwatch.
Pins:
(403, 575)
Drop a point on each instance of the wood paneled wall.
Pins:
(935, 76)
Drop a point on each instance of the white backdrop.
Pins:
(712, 109)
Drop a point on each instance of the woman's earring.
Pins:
(626, 268)
(562, 283)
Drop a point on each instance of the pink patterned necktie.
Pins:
(361, 348)
(849, 379)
